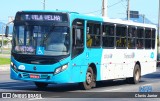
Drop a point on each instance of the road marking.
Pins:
(37, 99)
(17, 86)
(147, 84)
(112, 90)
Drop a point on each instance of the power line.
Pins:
(125, 7)
(107, 6)
(119, 2)
(115, 4)
(93, 11)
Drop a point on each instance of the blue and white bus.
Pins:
(68, 47)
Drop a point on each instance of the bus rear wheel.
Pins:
(136, 75)
(90, 80)
(41, 85)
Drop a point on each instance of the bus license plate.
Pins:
(34, 76)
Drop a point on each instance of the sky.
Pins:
(116, 8)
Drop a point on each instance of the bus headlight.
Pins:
(13, 66)
(60, 69)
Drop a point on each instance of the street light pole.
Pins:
(2, 39)
(144, 19)
(158, 30)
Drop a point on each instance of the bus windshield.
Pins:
(41, 40)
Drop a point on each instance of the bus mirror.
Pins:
(7, 31)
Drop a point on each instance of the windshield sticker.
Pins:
(40, 51)
(24, 49)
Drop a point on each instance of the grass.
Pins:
(4, 61)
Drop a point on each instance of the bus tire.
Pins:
(41, 85)
(136, 75)
(90, 80)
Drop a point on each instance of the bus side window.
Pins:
(139, 43)
(121, 39)
(153, 38)
(77, 37)
(132, 37)
(89, 40)
(108, 35)
(140, 38)
(93, 34)
(148, 39)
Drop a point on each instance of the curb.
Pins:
(5, 67)
(5, 55)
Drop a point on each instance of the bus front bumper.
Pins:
(62, 77)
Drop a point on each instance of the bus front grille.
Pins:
(43, 76)
(25, 75)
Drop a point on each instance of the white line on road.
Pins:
(112, 90)
(109, 90)
(147, 84)
(37, 99)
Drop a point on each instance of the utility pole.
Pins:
(44, 4)
(144, 21)
(128, 10)
(158, 31)
(2, 44)
(104, 8)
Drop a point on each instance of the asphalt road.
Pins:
(72, 91)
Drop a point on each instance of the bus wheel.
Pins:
(41, 85)
(136, 75)
(90, 80)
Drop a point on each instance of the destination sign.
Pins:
(41, 17)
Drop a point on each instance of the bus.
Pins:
(55, 47)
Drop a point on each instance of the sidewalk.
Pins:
(5, 55)
(5, 67)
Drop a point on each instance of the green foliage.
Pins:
(4, 61)
(5, 42)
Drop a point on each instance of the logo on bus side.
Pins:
(152, 55)
(108, 56)
(129, 55)
(21, 67)
(34, 68)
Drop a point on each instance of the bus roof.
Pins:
(48, 11)
(130, 23)
(97, 18)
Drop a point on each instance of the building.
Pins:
(6, 41)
